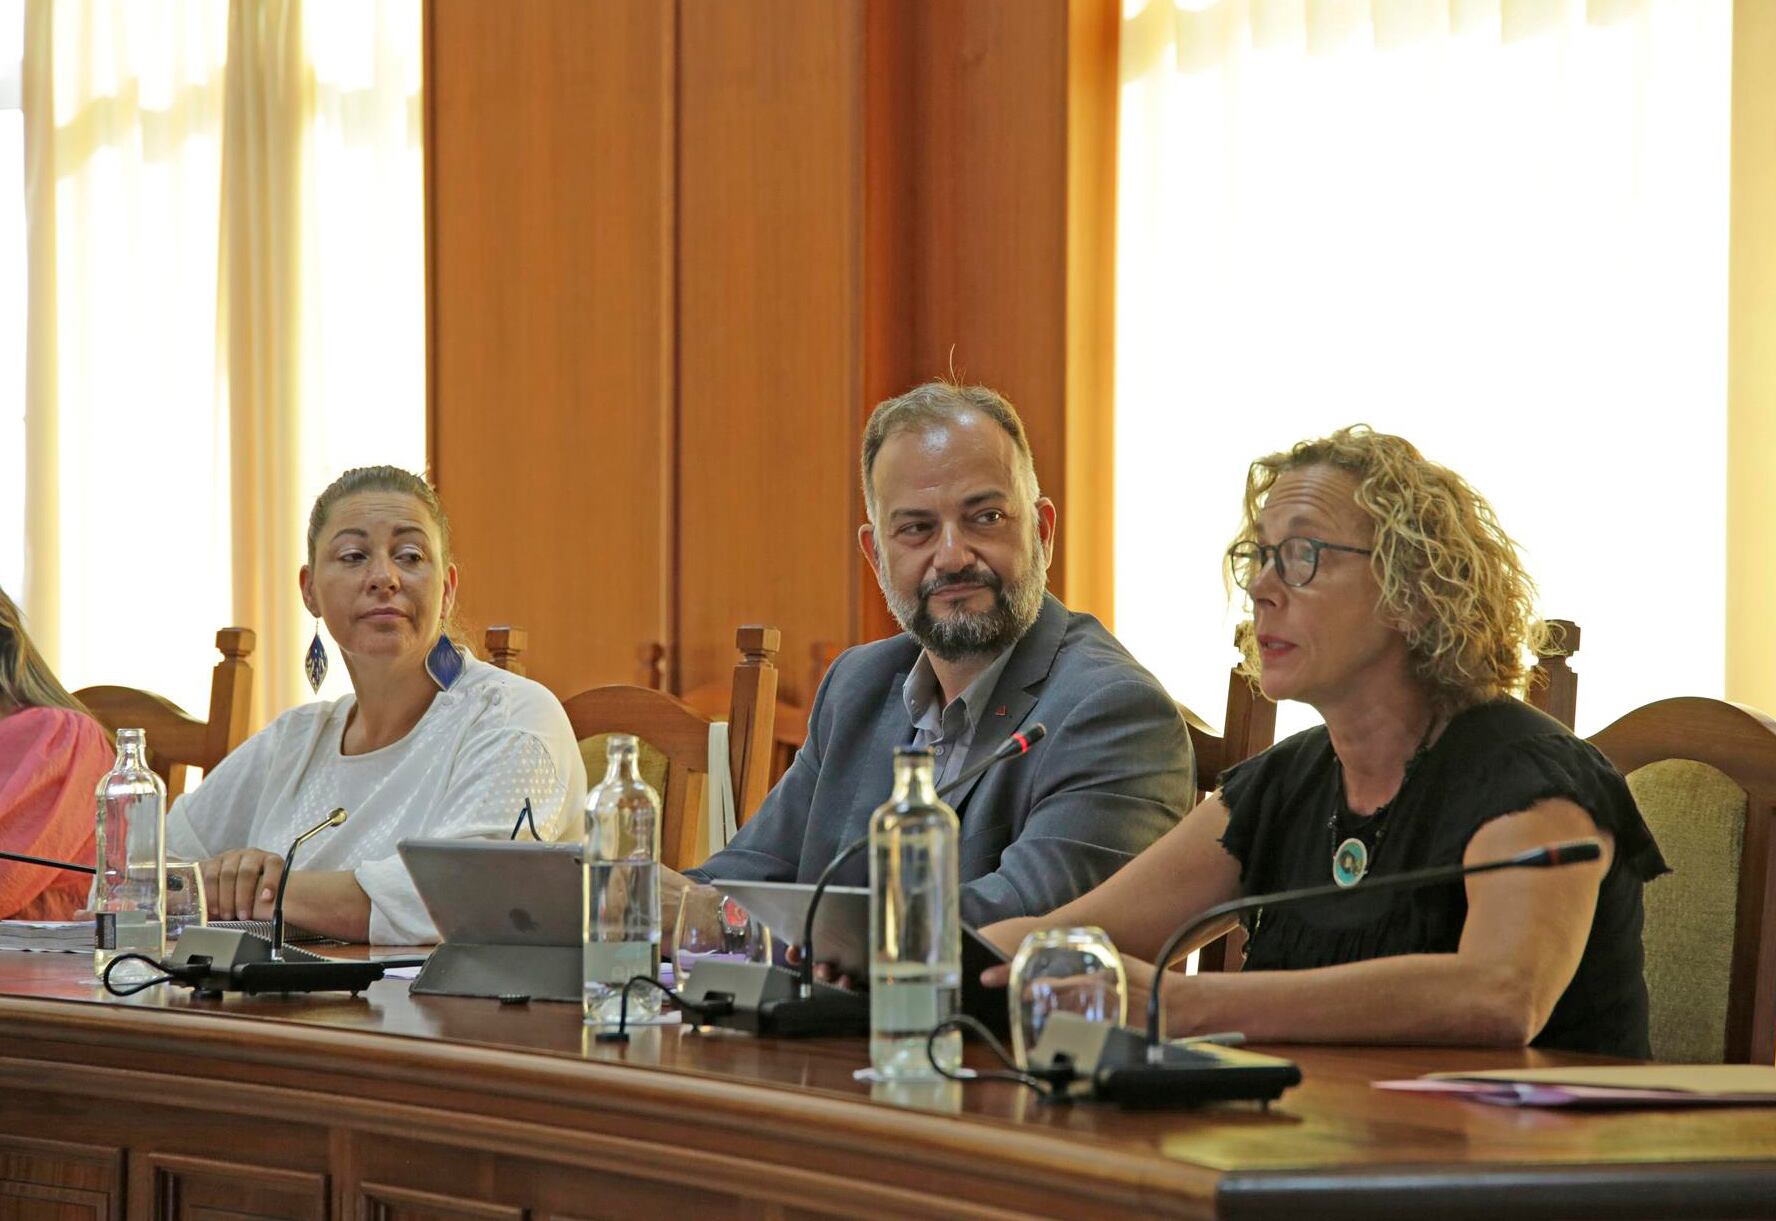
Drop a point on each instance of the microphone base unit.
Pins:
(1238, 1076)
(766, 1000)
(1109, 1064)
(232, 960)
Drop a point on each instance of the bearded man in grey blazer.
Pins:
(960, 538)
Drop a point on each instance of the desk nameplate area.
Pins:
(396, 1104)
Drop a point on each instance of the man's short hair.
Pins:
(942, 402)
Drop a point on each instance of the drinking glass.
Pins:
(1064, 970)
(185, 902)
(711, 925)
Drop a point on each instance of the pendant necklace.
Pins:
(1351, 857)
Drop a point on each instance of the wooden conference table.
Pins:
(400, 1106)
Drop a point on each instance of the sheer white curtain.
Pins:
(324, 257)
(363, 258)
(226, 308)
(1497, 227)
(127, 574)
(13, 278)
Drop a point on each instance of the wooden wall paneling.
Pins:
(989, 222)
(677, 252)
(990, 234)
(769, 344)
(888, 259)
(410, 1181)
(172, 1188)
(55, 1180)
(551, 201)
(380, 1202)
(1088, 456)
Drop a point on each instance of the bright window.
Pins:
(237, 282)
(1497, 229)
(12, 300)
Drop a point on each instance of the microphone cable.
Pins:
(1050, 1084)
(713, 1008)
(169, 975)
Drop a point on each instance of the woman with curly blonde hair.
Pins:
(1385, 594)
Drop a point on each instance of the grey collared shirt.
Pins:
(948, 731)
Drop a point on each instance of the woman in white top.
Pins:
(432, 743)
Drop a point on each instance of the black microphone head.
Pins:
(1573, 851)
(1020, 743)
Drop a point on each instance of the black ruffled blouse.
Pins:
(1492, 759)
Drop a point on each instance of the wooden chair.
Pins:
(790, 728)
(505, 647)
(176, 739)
(680, 736)
(1249, 727)
(1554, 688)
(1704, 775)
(650, 666)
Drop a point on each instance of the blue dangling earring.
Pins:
(444, 663)
(315, 664)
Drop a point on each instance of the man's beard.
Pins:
(964, 634)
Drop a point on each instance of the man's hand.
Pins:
(825, 972)
(242, 884)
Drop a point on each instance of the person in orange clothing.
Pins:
(52, 754)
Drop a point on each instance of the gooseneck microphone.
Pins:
(1016, 745)
(336, 818)
(1549, 856)
(768, 999)
(1131, 1068)
(214, 960)
(44, 861)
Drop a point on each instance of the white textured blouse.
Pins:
(463, 772)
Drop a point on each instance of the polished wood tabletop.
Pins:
(1334, 1143)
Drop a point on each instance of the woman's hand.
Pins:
(242, 884)
(1008, 935)
(1140, 988)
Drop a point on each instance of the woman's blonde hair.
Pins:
(1451, 578)
(26, 681)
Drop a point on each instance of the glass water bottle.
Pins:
(915, 925)
(129, 889)
(621, 889)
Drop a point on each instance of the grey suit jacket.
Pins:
(1112, 776)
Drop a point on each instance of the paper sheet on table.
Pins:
(1631, 1085)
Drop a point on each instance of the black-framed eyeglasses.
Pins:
(1297, 559)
